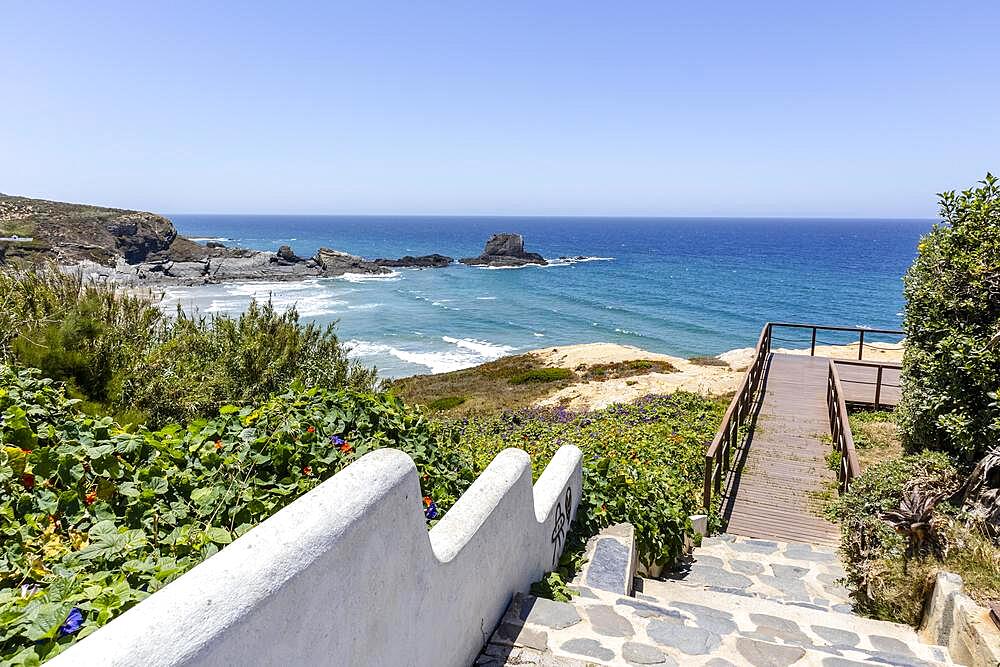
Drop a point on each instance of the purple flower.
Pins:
(336, 440)
(72, 623)
(432, 511)
(27, 590)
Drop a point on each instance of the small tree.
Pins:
(951, 366)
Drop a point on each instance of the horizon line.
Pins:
(600, 216)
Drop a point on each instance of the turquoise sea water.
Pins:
(672, 285)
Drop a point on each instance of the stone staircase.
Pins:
(739, 601)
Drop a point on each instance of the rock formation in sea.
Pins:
(434, 261)
(505, 250)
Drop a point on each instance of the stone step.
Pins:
(788, 572)
(837, 634)
(687, 627)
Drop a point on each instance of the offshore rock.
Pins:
(505, 250)
(434, 261)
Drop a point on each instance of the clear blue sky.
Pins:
(635, 108)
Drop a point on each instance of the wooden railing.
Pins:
(819, 327)
(840, 430)
(718, 458)
(880, 367)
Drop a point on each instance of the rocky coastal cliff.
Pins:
(136, 248)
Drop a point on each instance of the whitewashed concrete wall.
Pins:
(349, 575)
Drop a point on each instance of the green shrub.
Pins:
(541, 375)
(642, 463)
(951, 362)
(119, 353)
(199, 364)
(885, 584)
(446, 403)
(95, 518)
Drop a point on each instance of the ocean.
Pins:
(678, 286)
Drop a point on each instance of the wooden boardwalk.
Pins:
(774, 491)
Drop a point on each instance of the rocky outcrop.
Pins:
(77, 232)
(434, 261)
(337, 263)
(144, 248)
(505, 250)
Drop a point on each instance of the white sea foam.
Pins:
(538, 335)
(552, 263)
(367, 277)
(489, 351)
(205, 239)
(364, 306)
(465, 353)
(567, 261)
(629, 332)
(486, 298)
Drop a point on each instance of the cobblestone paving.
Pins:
(741, 602)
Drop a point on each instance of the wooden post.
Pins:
(708, 484)
(861, 345)
(878, 387)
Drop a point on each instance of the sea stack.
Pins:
(505, 250)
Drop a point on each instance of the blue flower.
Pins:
(72, 623)
(336, 440)
(432, 511)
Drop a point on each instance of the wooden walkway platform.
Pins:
(779, 476)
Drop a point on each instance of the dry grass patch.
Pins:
(708, 361)
(876, 437)
(624, 369)
(508, 383)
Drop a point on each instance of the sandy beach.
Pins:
(709, 380)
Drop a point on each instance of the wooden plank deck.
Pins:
(773, 493)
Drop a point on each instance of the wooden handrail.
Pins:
(879, 366)
(840, 430)
(719, 454)
(820, 327)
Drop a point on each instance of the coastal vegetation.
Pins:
(952, 322)
(929, 497)
(509, 383)
(95, 516)
(120, 354)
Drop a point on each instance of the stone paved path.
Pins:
(741, 602)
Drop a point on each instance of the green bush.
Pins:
(884, 585)
(951, 362)
(446, 403)
(642, 463)
(119, 353)
(541, 375)
(198, 364)
(94, 518)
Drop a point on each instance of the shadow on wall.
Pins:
(349, 575)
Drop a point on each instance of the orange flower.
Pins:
(307, 471)
(346, 447)
(311, 429)
(218, 444)
(427, 501)
(90, 498)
